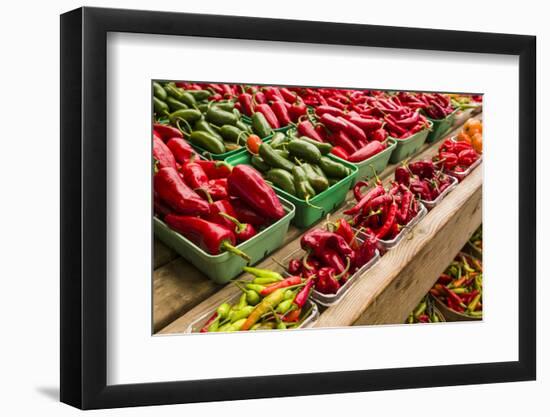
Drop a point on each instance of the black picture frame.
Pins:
(84, 207)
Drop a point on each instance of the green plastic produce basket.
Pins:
(328, 200)
(379, 162)
(440, 127)
(408, 147)
(224, 267)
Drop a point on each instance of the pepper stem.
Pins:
(345, 271)
(304, 261)
(187, 125)
(234, 250)
(312, 205)
(239, 227)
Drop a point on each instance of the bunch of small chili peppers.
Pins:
(455, 157)
(382, 212)
(332, 256)
(425, 312)
(460, 287)
(209, 202)
(434, 105)
(423, 179)
(268, 302)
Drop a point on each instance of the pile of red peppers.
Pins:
(209, 202)
(423, 179)
(434, 105)
(456, 157)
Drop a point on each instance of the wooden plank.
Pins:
(162, 254)
(166, 303)
(391, 289)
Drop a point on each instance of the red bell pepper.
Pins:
(174, 192)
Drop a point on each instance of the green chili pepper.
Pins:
(282, 153)
(267, 273)
(200, 95)
(304, 190)
(225, 327)
(275, 160)
(233, 134)
(318, 170)
(278, 140)
(180, 95)
(333, 169)
(235, 327)
(242, 302)
(243, 126)
(324, 148)
(318, 182)
(260, 126)
(269, 325)
(204, 126)
(223, 310)
(189, 115)
(220, 117)
(206, 141)
(265, 280)
(255, 287)
(258, 163)
(175, 104)
(284, 306)
(240, 314)
(224, 105)
(160, 107)
(420, 309)
(159, 92)
(214, 326)
(282, 179)
(252, 297)
(304, 150)
(289, 294)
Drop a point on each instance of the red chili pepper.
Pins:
(248, 184)
(344, 229)
(246, 214)
(354, 131)
(319, 242)
(288, 95)
(281, 113)
(328, 280)
(341, 139)
(243, 231)
(389, 222)
(215, 169)
(209, 236)
(359, 185)
(269, 115)
(216, 189)
(379, 135)
(259, 98)
(449, 160)
(339, 152)
(367, 124)
(424, 169)
(213, 317)
(292, 316)
(467, 157)
(404, 209)
(247, 106)
(335, 111)
(273, 94)
(166, 132)
(160, 208)
(287, 282)
(174, 192)
(303, 295)
(297, 110)
(221, 206)
(163, 155)
(366, 251)
(335, 103)
(305, 128)
(375, 192)
(181, 149)
(366, 152)
(332, 122)
(194, 176)
(294, 266)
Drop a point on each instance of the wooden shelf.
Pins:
(385, 294)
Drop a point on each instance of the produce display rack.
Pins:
(385, 294)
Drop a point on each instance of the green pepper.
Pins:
(224, 105)
(200, 95)
(204, 126)
(237, 113)
(240, 314)
(235, 327)
(206, 141)
(318, 182)
(159, 92)
(258, 272)
(260, 126)
(255, 287)
(252, 297)
(268, 325)
(232, 134)
(304, 150)
(333, 169)
(283, 153)
(220, 117)
(180, 95)
(304, 190)
(272, 158)
(189, 115)
(223, 310)
(284, 306)
(175, 104)
(258, 163)
(332, 181)
(242, 303)
(225, 327)
(289, 294)
(319, 171)
(214, 326)
(265, 280)
(324, 148)
(243, 126)
(282, 179)
(160, 107)
(278, 140)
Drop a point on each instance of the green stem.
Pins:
(235, 251)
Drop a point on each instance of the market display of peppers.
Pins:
(292, 136)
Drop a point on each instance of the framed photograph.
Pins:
(257, 208)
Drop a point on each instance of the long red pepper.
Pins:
(303, 294)
(305, 128)
(248, 184)
(375, 192)
(166, 132)
(162, 154)
(390, 220)
(246, 103)
(320, 110)
(281, 113)
(221, 206)
(174, 192)
(181, 149)
(269, 115)
(340, 138)
(354, 131)
(194, 176)
(288, 282)
(215, 169)
(366, 152)
(246, 215)
(209, 236)
(332, 122)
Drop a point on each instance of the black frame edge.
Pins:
(70, 205)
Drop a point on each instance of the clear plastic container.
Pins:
(328, 300)
(198, 324)
(431, 204)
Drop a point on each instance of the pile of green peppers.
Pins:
(298, 165)
(214, 126)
